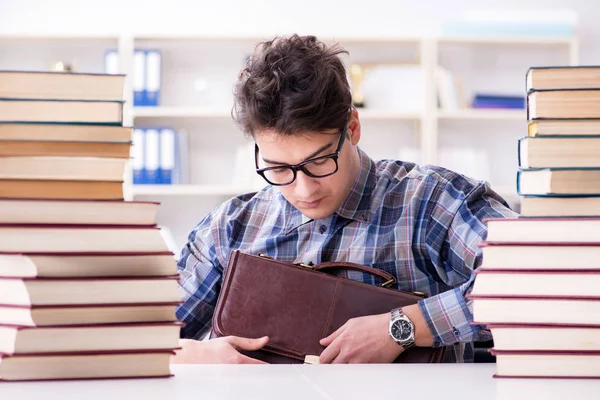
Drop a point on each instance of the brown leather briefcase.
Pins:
(298, 305)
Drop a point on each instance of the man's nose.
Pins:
(305, 186)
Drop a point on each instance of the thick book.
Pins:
(540, 256)
(540, 283)
(558, 182)
(563, 104)
(92, 365)
(565, 128)
(63, 168)
(65, 132)
(562, 152)
(545, 337)
(544, 206)
(61, 85)
(85, 314)
(81, 265)
(61, 111)
(543, 230)
(77, 212)
(85, 338)
(70, 291)
(23, 148)
(80, 238)
(572, 77)
(60, 189)
(547, 364)
(497, 309)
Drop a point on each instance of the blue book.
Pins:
(167, 155)
(152, 156)
(139, 78)
(153, 77)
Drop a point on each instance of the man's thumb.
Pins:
(249, 344)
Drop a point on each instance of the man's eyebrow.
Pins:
(320, 150)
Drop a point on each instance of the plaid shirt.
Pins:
(421, 224)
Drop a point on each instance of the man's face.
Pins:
(316, 198)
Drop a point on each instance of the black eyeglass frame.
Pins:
(301, 167)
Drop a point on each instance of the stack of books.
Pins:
(88, 288)
(538, 290)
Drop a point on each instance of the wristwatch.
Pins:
(402, 330)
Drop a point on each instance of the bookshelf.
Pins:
(192, 62)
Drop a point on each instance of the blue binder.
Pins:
(167, 155)
(151, 156)
(137, 155)
(139, 78)
(111, 62)
(153, 77)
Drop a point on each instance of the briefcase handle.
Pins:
(329, 266)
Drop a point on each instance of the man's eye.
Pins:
(279, 171)
(321, 162)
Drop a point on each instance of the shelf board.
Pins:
(200, 112)
(188, 190)
(529, 40)
(179, 112)
(374, 114)
(483, 114)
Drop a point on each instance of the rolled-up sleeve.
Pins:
(200, 278)
(449, 314)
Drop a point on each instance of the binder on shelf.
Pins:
(111, 62)
(139, 78)
(137, 154)
(181, 174)
(151, 156)
(153, 71)
(167, 156)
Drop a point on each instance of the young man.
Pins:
(328, 201)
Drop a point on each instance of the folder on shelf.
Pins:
(111, 62)
(152, 86)
(167, 156)
(181, 174)
(139, 78)
(151, 156)
(137, 154)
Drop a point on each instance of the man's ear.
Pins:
(354, 127)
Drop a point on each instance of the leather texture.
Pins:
(297, 306)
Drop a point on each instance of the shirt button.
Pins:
(322, 229)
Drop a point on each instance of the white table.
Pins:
(329, 382)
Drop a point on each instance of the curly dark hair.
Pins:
(292, 85)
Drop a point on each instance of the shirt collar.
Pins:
(357, 205)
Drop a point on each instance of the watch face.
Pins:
(401, 330)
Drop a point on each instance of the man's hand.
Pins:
(361, 340)
(218, 351)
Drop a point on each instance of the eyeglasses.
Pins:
(318, 167)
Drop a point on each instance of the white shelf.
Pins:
(373, 114)
(199, 112)
(511, 40)
(179, 112)
(484, 114)
(188, 190)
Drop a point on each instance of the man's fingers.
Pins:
(329, 339)
(249, 360)
(329, 354)
(247, 344)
